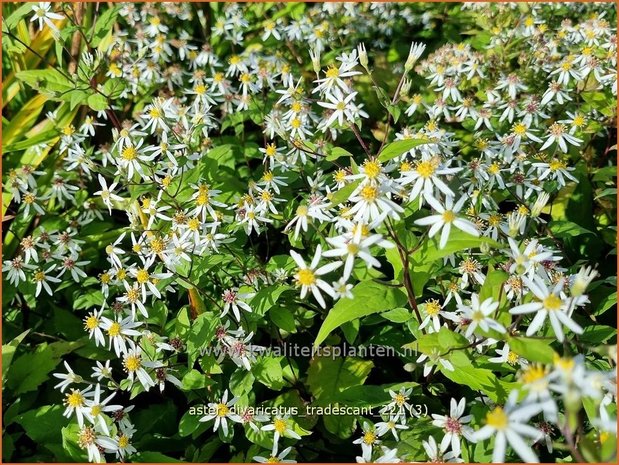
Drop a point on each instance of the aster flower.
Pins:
(308, 277)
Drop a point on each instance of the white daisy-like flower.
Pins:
(548, 303)
(508, 425)
(308, 277)
(478, 315)
(221, 412)
(447, 215)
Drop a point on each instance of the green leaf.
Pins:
(283, 319)
(201, 334)
(344, 193)
(327, 377)
(532, 349)
(481, 379)
(368, 297)
(397, 315)
(48, 81)
(564, 229)
(8, 351)
(493, 285)
(153, 457)
(97, 102)
(104, 25)
(195, 380)
(458, 241)
(268, 371)
(267, 297)
(41, 425)
(41, 138)
(338, 152)
(11, 22)
(241, 382)
(398, 147)
(190, 422)
(23, 378)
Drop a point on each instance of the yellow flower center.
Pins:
(449, 216)
(425, 168)
(555, 165)
(114, 329)
(75, 399)
(129, 153)
(497, 418)
(123, 441)
(92, 322)
(433, 307)
(142, 276)
(280, 425)
(222, 410)
(133, 363)
(371, 168)
(533, 373)
(369, 193)
(333, 72)
(512, 358)
(369, 437)
(306, 277)
(352, 248)
(552, 302)
(520, 129)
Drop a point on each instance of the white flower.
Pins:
(398, 406)
(557, 133)
(134, 366)
(118, 331)
(434, 359)
(581, 280)
(42, 279)
(275, 457)
(67, 379)
(92, 323)
(454, 425)
(350, 248)
(373, 203)
(107, 194)
(102, 371)
(416, 50)
(96, 407)
(42, 13)
(424, 177)
(508, 424)
(438, 453)
(308, 277)
(526, 261)
(384, 427)
(231, 301)
(505, 355)
(282, 429)
(549, 304)
(368, 440)
(341, 106)
(477, 313)
(342, 289)
(75, 402)
(445, 218)
(222, 412)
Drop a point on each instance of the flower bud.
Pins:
(363, 55)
